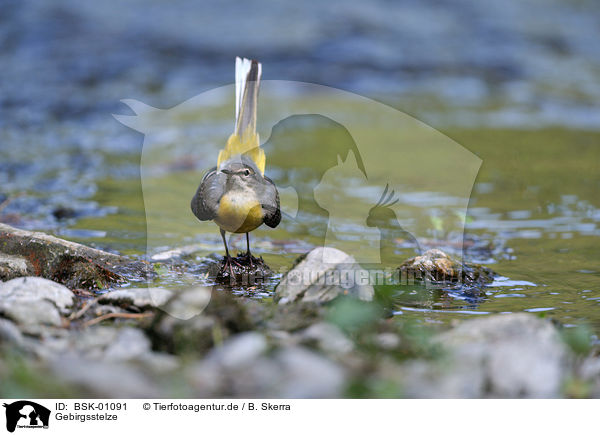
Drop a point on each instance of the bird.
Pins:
(236, 194)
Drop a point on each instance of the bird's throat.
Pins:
(239, 212)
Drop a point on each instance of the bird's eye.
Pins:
(246, 172)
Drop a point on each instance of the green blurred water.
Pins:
(535, 204)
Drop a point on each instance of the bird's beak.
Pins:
(226, 171)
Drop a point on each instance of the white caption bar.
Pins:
(262, 416)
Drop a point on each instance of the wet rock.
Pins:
(69, 263)
(322, 275)
(503, 356)
(34, 301)
(245, 270)
(436, 267)
(138, 298)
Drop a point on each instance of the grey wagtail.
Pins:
(236, 194)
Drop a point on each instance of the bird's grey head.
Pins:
(241, 172)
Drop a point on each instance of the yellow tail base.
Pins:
(249, 146)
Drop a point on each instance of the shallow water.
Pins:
(534, 210)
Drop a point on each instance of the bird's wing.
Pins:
(271, 209)
(206, 200)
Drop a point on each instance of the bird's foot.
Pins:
(243, 269)
(229, 263)
(249, 257)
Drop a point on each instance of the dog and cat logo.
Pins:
(25, 414)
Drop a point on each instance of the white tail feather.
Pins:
(242, 68)
(245, 139)
(246, 95)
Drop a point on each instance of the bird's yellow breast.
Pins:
(239, 213)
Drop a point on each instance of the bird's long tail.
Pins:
(244, 139)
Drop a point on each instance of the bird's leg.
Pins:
(229, 260)
(248, 249)
(227, 256)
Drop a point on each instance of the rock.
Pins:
(206, 380)
(388, 340)
(130, 343)
(306, 374)
(322, 275)
(239, 351)
(590, 368)
(233, 313)
(98, 343)
(245, 369)
(12, 266)
(328, 338)
(247, 271)
(588, 374)
(89, 343)
(436, 380)
(140, 298)
(108, 344)
(436, 267)
(501, 356)
(215, 316)
(9, 333)
(237, 368)
(104, 379)
(295, 317)
(72, 264)
(184, 337)
(189, 303)
(33, 301)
